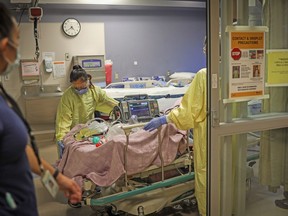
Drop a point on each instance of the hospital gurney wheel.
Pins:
(186, 203)
(192, 203)
(100, 210)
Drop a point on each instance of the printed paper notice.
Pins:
(58, 69)
(247, 64)
(277, 65)
(30, 68)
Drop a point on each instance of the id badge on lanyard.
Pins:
(50, 183)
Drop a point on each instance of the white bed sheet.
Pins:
(155, 92)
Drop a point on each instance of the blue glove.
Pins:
(155, 123)
(61, 146)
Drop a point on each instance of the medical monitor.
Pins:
(93, 63)
(140, 109)
(144, 109)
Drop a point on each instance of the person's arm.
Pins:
(69, 187)
(104, 103)
(63, 118)
(192, 108)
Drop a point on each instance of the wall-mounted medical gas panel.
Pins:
(93, 65)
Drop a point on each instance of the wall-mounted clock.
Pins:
(71, 27)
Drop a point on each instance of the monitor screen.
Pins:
(140, 109)
(138, 85)
(91, 63)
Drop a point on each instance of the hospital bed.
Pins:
(166, 93)
(135, 172)
(174, 88)
(132, 170)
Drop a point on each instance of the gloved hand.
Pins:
(155, 123)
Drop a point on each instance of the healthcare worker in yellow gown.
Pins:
(192, 114)
(78, 104)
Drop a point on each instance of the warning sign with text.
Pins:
(277, 67)
(246, 63)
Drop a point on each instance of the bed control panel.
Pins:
(145, 109)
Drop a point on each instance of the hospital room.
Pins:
(149, 107)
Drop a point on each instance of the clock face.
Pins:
(71, 27)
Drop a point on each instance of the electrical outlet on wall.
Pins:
(67, 57)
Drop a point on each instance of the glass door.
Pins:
(247, 85)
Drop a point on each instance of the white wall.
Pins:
(90, 41)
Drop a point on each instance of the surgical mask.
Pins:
(14, 65)
(81, 91)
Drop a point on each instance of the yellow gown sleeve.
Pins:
(63, 118)
(104, 103)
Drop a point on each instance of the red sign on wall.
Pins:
(236, 53)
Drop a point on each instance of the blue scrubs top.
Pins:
(15, 173)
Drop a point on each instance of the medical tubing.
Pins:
(115, 109)
(14, 106)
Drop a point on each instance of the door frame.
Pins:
(220, 123)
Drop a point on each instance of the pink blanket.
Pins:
(105, 164)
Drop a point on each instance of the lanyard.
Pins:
(17, 110)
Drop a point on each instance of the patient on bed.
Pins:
(105, 164)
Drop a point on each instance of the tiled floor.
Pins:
(259, 201)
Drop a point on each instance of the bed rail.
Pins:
(135, 84)
(124, 195)
(127, 130)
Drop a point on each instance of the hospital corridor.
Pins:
(144, 108)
